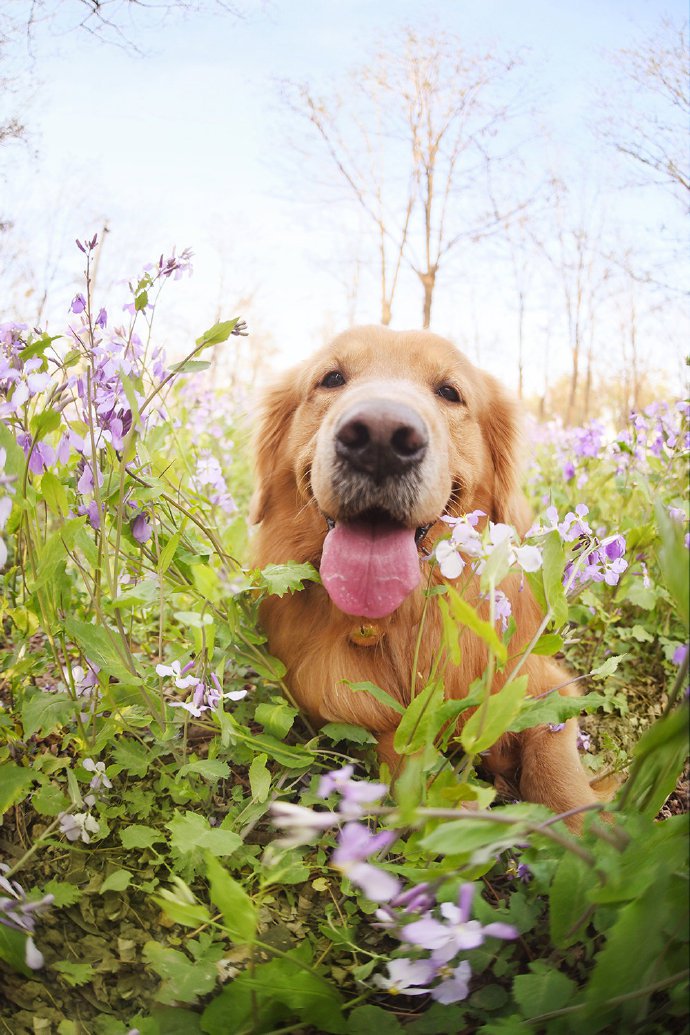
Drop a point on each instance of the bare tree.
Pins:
(413, 136)
(575, 250)
(648, 115)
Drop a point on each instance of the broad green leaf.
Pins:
(364, 1020)
(542, 991)
(417, 727)
(548, 644)
(43, 712)
(53, 492)
(608, 667)
(338, 731)
(217, 334)
(466, 615)
(15, 782)
(49, 800)
(211, 769)
(276, 719)
(280, 579)
(139, 836)
(184, 980)
(133, 757)
(465, 836)
(74, 974)
(568, 900)
(98, 646)
(239, 912)
(116, 881)
(43, 422)
(64, 893)
(167, 554)
(673, 560)
(13, 949)
(181, 906)
(259, 778)
(191, 833)
(494, 717)
(553, 559)
(554, 708)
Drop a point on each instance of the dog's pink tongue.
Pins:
(369, 569)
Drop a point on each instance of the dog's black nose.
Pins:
(381, 437)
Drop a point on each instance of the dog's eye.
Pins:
(449, 393)
(333, 379)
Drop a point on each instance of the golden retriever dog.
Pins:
(360, 452)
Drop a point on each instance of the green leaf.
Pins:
(568, 900)
(417, 726)
(276, 719)
(43, 712)
(338, 731)
(43, 422)
(15, 782)
(64, 893)
(280, 579)
(463, 837)
(367, 1019)
(139, 836)
(54, 494)
(98, 647)
(49, 800)
(378, 694)
(608, 667)
(13, 949)
(659, 757)
(167, 554)
(239, 913)
(673, 560)
(184, 980)
(75, 974)
(554, 708)
(211, 769)
(466, 615)
(542, 991)
(134, 758)
(493, 718)
(259, 778)
(192, 833)
(181, 905)
(141, 300)
(220, 332)
(553, 560)
(116, 881)
(193, 618)
(548, 644)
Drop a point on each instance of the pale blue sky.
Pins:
(182, 145)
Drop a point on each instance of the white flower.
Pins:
(449, 560)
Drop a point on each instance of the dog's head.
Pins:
(375, 438)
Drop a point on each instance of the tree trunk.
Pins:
(574, 377)
(386, 312)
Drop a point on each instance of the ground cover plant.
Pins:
(182, 853)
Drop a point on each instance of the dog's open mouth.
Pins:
(370, 564)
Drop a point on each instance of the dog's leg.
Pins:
(552, 773)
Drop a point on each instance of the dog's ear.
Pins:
(275, 415)
(502, 433)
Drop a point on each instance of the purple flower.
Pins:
(19, 914)
(458, 933)
(556, 727)
(569, 470)
(102, 318)
(78, 304)
(141, 528)
(354, 793)
(355, 844)
(584, 742)
(680, 654)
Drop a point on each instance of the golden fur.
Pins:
(471, 464)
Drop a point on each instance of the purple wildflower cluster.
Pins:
(19, 913)
(470, 547)
(103, 396)
(413, 915)
(592, 559)
(205, 696)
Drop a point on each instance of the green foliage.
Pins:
(174, 909)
